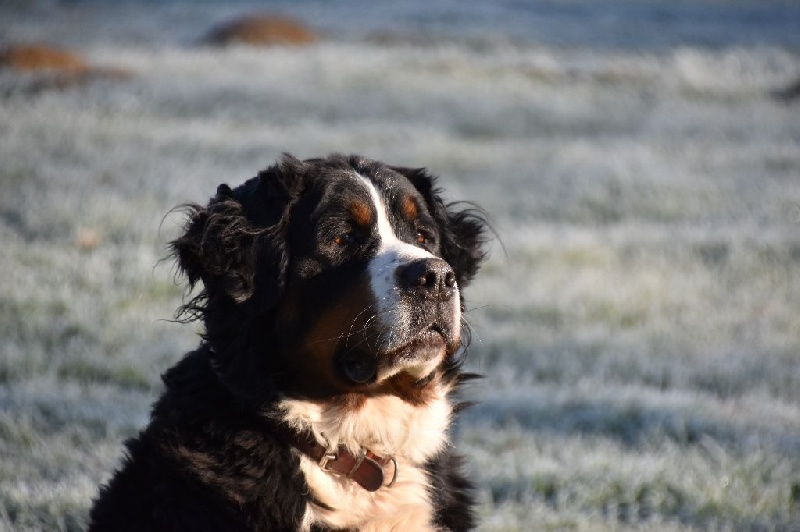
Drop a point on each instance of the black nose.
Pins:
(433, 277)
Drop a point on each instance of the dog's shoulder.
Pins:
(203, 463)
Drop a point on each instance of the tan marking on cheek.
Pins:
(412, 391)
(350, 401)
(343, 322)
(361, 213)
(409, 208)
(320, 345)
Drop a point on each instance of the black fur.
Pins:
(210, 459)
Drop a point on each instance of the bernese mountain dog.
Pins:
(322, 391)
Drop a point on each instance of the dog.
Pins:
(321, 393)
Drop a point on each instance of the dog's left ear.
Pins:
(462, 231)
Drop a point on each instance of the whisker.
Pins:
(480, 307)
(354, 320)
(350, 332)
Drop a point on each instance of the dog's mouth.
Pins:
(417, 357)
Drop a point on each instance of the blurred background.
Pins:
(638, 322)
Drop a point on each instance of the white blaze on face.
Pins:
(393, 253)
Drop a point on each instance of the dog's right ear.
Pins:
(236, 245)
(218, 247)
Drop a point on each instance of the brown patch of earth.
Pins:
(262, 30)
(48, 67)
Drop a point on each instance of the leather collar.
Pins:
(366, 469)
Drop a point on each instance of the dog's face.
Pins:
(368, 295)
(346, 271)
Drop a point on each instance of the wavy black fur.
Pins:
(208, 460)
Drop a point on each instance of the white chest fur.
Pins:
(387, 426)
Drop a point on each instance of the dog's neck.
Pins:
(388, 426)
(385, 424)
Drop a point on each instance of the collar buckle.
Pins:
(328, 456)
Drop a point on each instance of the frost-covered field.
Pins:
(639, 327)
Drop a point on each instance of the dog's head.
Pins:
(331, 276)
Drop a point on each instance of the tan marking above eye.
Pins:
(409, 208)
(361, 213)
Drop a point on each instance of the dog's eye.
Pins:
(424, 237)
(344, 239)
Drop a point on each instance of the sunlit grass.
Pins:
(639, 325)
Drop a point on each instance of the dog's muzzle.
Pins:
(415, 332)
